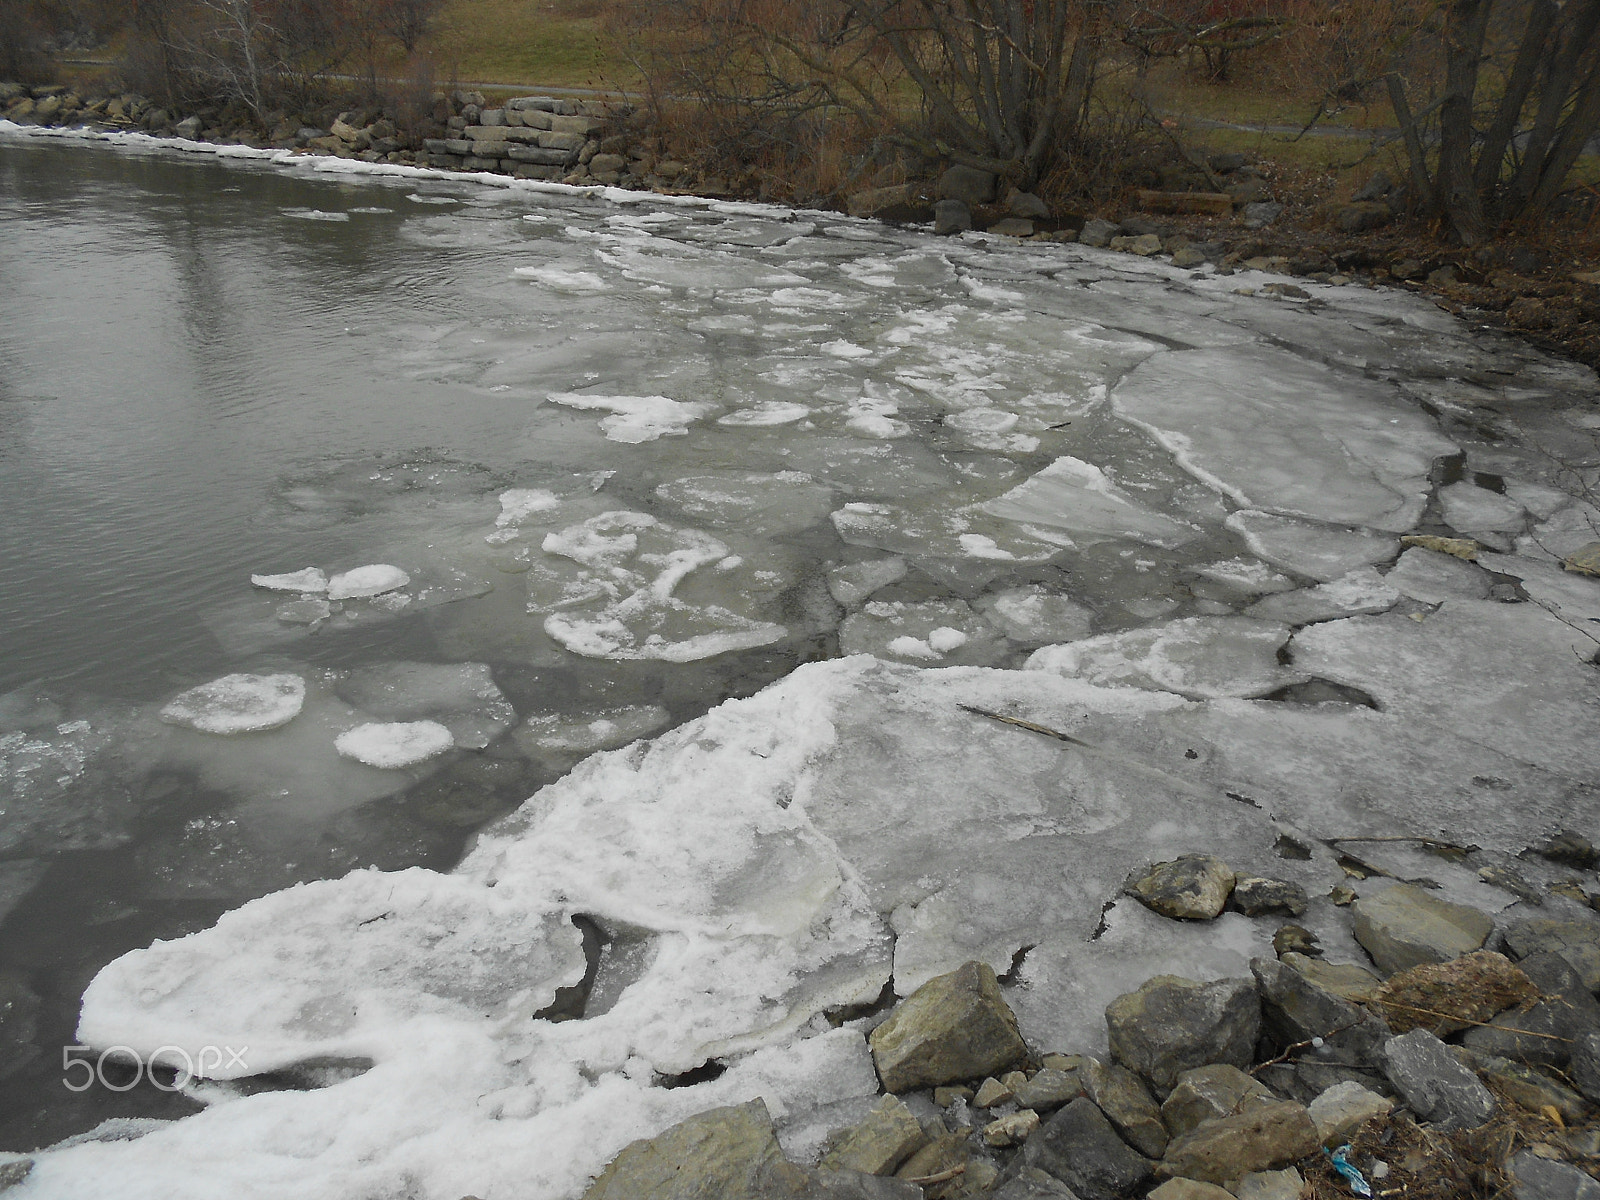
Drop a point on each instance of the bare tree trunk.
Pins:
(1455, 192)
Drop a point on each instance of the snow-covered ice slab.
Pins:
(760, 857)
(1432, 577)
(1198, 657)
(391, 744)
(372, 580)
(238, 704)
(1276, 432)
(624, 602)
(1574, 595)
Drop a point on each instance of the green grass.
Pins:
(556, 42)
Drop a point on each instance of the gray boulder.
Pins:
(1263, 1139)
(1405, 927)
(1034, 1184)
(1293, 1009)
(952, 1028)
(1362, 216)
(1194, 887)
(189, 128)
(1207, 1093)
(728, 1153)
(1261, 213)
(1097, 232)
(1435, 1083)
(857, 1185)
(1543, 1034)
(1542, 1179)
(951, 217)
(1584, 1066)
(967, 184)
(1079, 1147)
(889, 1135)
(1026, 205)
(1256, 897)
(1049, 1090)
(1172, 1024)
(1117, 1092)
(1344, 1108)
(1576, 941)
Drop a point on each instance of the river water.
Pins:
(630, 457)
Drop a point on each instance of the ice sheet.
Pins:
(1276, 432)
(637, 419)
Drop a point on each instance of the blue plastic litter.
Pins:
(1357, 1181)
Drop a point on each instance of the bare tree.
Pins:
(1518, 102)
(994, 84)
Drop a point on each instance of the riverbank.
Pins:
(1279, 219)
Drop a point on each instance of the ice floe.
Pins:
(373, 580)
(312, 581)
(394, 743)
(636, 419)
(238, 704)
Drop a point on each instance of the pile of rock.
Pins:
(1230, 1089)
(529, 137)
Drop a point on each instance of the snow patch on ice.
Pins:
(371, 580)
(637, 419)
(312, 581)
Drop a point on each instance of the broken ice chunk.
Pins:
(1472, 509)
(238, 704)
(1432, 577)
(767, 412)
(371, 580)
(764, 505)
(311, 581)
(460, 696)
(1320, 551)
(936, 631)
(517, 504)
(1198, 657)
(637, 419)
(304, 612)
(558, 740)
(1036, 616)
(1078, 496)
(394, 744)
(1247, 575)
(854, 582)
(1355, 594)
(1576, 595)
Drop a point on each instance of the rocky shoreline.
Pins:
(1462, 1058)
(1529, 285)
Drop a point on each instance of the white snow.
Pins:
(238, 704)
(394, 743)
(372, 580)
(311, 581)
